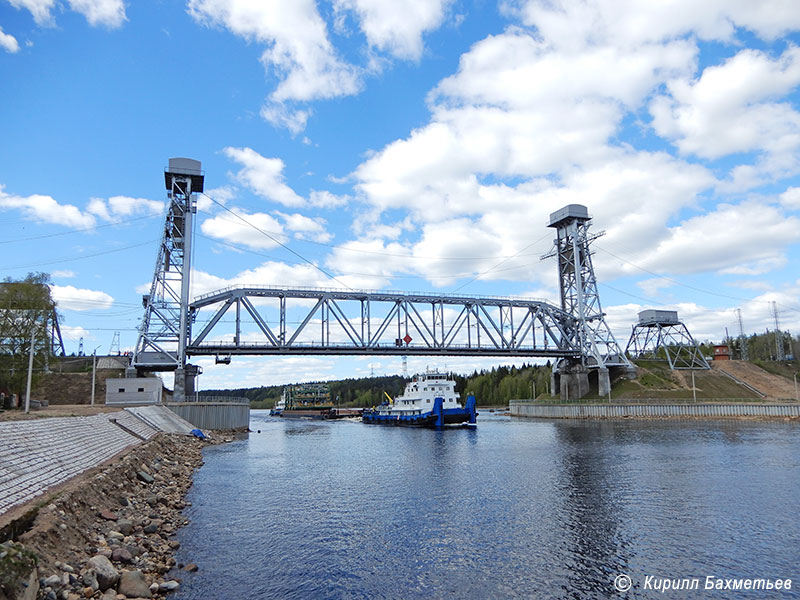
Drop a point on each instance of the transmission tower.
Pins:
(164, 331)
(742, 338)
(114, 348)
(779, 349)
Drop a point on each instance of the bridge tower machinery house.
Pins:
(599, 350)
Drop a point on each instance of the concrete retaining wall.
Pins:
(213, 415)
(648, 411)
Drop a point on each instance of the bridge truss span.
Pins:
(265, 321)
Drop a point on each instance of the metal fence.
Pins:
(213, 415)
(649, 411)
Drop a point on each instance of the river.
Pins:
(510, 509)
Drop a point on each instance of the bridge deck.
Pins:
(349, 322)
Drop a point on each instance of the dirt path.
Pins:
(58, 410)
(774, 386)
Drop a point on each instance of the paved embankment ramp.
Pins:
(767, 384)
(520, 408)
(38, 454)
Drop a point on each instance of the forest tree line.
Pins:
(492, 387)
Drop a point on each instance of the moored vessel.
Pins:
(429, 400)
(277, 410)
(307, 401)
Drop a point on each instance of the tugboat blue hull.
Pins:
(437, 417)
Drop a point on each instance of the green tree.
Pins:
(26, 308)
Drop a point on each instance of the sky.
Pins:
(411, 145)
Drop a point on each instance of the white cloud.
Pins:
(325, 199)
(297, 49)
(254, 372)
(732, 107)
(245, 228)
(109, 13)
(69, 332)
(749, 238)
(264, 176)
(306, 228)
(123, 206)
(280, 115)
(71, 298)
(268, 273)
(39, 9)
(65, 274)
(630, 23)
(8, 42)
(397, 27)
(44, 209)
(791, 198)
(654, 286)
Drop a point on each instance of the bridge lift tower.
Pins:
(578, 286)
(164, 331)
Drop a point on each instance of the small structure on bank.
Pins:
(660, 335)
(722, 352)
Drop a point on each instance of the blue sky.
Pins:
(405, 145)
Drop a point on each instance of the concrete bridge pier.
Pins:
(571, 380)
(185, 382)
(603, 382)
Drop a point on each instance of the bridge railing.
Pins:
(365, 292)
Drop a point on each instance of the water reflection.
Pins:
(512, 509)
(596, 545)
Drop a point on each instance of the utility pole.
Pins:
(694, 389)
(796, 396)
(30, 372)
(94, 370)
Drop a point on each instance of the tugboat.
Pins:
(279, 407)
(429, 400)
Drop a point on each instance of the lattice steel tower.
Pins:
(164, 331)
(743, 353)
(661, 335)
(579, 297)
(780, 353)
(578, 287)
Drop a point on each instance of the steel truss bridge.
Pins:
(361, 322)
(283, 321)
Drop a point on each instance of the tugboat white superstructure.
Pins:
(429, 400)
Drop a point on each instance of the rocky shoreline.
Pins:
(111, 535)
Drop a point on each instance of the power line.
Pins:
(418, 276)
(65, 260)
(297, 254)
(479, 275)
(686, 285)
(94, 228)
(379, 253)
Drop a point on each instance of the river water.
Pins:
(510, 509)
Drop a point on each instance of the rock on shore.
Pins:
(111, 535)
